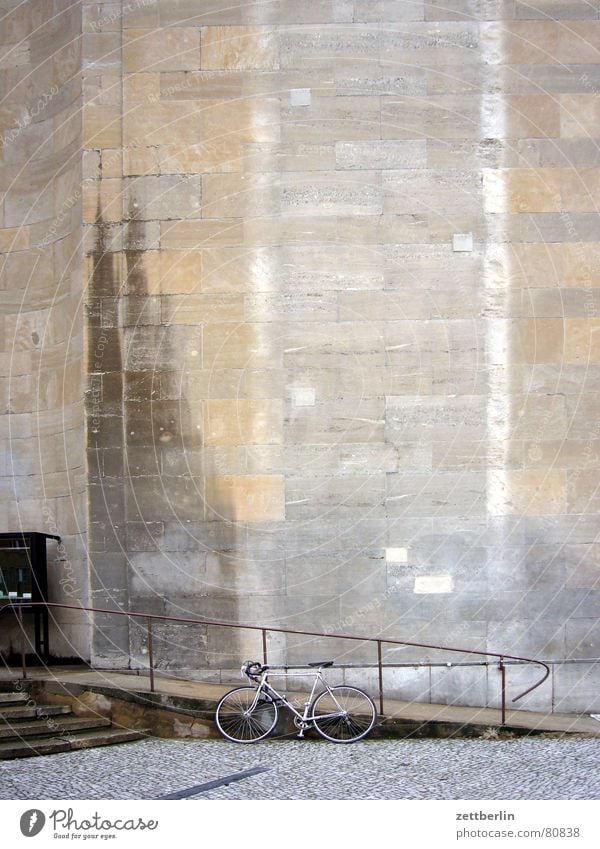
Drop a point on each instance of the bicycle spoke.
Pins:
(343, 714)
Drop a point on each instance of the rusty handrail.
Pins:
(265, 630)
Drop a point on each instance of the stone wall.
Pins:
(341, 284)
(352, 368)
(43, 481)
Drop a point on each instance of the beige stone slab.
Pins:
(540, 340)
(438, 495)
(532, 116)
(186, 235)
(141, 272)
(555, 9)
(384, 155)
(529, 492)
(470, 10)
(524, 265)
(201, 309)
(579, 115)
(428, 44)
(15, 55)
(240, 48)
(142, 86)
(164, 197)
(331, 343)
(241, 269)
(163, 49)
(522, 42)
(420, 190)
(276, 158)
(348, 421)
(154, 123)
(562, 454)
(579, 43)
(101, 51)
(375, 77)
(331, 193)
(101, 127)
(242, 422)
(388, 11)
(201, 85)
(189, 13)
(242, 346)
(219, 155)
(246, 121)
(353, 230)
(582, 340)
(233, 195)
(140, 161)
(102, 89)
(440, 116)
(581, 264)
(580, 189)
(538, 417)
(103, 200)
(322, 47)
(302, 306)
(180, 272)
(14, 239)
(330, 119)
(245, 498)
(291, 12)
(111, 163)
(583, 492)
(522, 190)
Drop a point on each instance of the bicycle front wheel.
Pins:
(238, 721)
(343, 714)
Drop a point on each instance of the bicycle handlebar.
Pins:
(252, 668)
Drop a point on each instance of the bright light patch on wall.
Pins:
(434, 584)
(396, 555)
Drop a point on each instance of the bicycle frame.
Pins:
(265, 687)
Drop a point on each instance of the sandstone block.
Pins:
(245, 498)
(162, 49)
(240, 48)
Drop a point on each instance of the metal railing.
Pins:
(149, 618)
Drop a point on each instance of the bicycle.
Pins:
(340, 714)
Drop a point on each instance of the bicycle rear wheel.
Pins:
(236, 719)
(343, 714)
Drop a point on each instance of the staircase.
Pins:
(27, 730)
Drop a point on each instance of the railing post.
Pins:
(264, 642)
(502, 669)
(150, 652)
(23, 658)
(380, 671)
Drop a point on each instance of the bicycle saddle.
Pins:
(321, 663)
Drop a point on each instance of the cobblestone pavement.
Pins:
(524, 768)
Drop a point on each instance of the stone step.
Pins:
(39, 728)
(16, 712)
(13, 698)
(67, 743)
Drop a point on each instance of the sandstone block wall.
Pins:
(341, 270)
(43, 478)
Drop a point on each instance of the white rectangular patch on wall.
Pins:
(300, 97)
(303, 397)
(462, 242)
(434, 584)
(396, 555)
